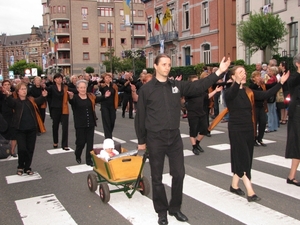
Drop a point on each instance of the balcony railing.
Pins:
(139, 32)
(63, 61)
(62, 30)
(167, 37)
(63, 45)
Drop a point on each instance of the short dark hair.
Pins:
(57, 75)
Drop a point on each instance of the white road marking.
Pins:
(220, 200)
(276, 160)
(265, 180)
(59, 151)
(114, 138)
(46, 210)
(220, 147)
(17, 179)
(137, 210)
(79, 168)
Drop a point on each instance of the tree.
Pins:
(262, 31)
(89, 69)
(20, 67)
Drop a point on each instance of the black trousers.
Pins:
(127, 98)
(108, 114)
(161, 144)
(261, 120)
(26, 143)
(57, 118)
(43, 114)
(216, 103)
(84, 136)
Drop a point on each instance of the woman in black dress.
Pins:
(240, 103)
(83, 105)
(293, 140)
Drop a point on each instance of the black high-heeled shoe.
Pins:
(55, 146)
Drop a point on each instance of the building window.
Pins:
(140, 13)
(102, 27)
(54, 9)
(150, 60)
(110, 42)
(85, 40)
(84, 11)
(205, 14)
(186, 17)
(105, 11)
(85, 26)
(110, 27)
(267, 2)
(247, 6)
(102, 42)
(123, 41)
(121, 12)
(293, 39)
(206, 53)
(86, 55)
(122, 27)
(102, 57)
(134, 13)
(64, 9)
(58, 9)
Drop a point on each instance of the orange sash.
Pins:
(41, 125)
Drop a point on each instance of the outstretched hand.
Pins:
(107, 94)
(284, 77)
(224, 64)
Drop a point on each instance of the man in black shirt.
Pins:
(157, 127)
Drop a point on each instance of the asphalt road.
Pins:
(58, 194)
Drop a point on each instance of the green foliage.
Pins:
(89, 69)
(199, 68)
(262, 31)
(239, 62)
(288, 60)
(20, 66)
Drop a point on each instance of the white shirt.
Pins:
(105, 156)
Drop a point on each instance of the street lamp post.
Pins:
(110, 43)
(132, 39)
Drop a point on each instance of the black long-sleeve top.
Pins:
(84, 113)
(294, 88)
(158, 106)
(240, 107)
(19, 109)
(253, 86)
(56, 96)
(109, 101)
(195, 105)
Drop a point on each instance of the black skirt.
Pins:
(292, 150)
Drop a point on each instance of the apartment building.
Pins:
(29, 47)
(80, 32)
(288, 11)
(200, 31)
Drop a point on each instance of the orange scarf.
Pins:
(40, 124)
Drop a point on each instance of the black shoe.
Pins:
(262, 144)
(199, 148)
(66, 148)
(14, 155)
(253, 198)
(123, 115)
(131, 117)
(237, 191)
(78, 160)
(179, 216)
(292, 181)
(90, 164)
(55, 146)
(196, 151)
(162, 220)
(256, 144)
(208, 135)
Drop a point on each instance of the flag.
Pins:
(149, 27)
(266, 9)
(126, 5)
(162, 46)
(167, 16)
(157, 23)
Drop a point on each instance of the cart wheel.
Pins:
(144, 186)
(92, 182)
(104, 192)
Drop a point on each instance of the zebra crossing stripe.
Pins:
(46, 210)
(276, 160)
(79, 168)
(17, 179)
(240, 209)
(114, 138)
(264, 180)
(59, 151)
(137, 210)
